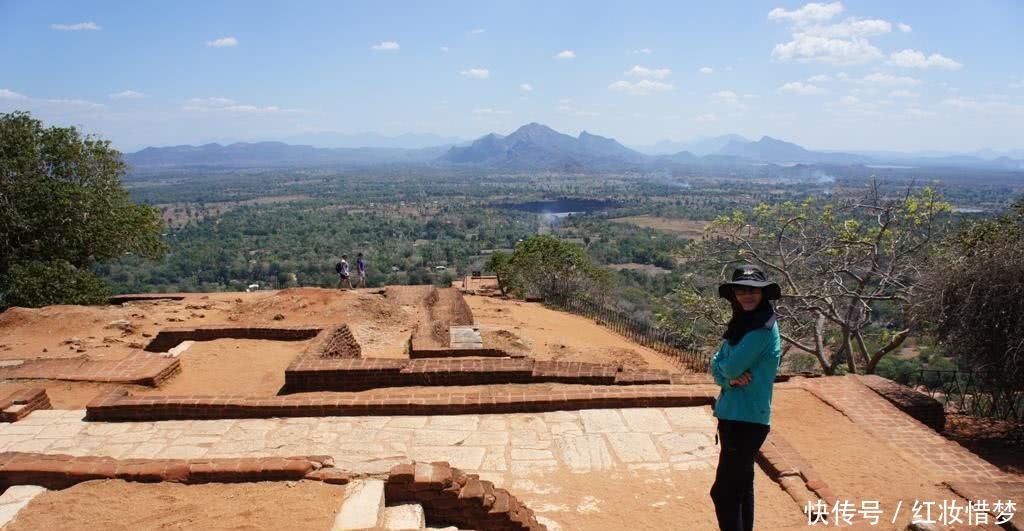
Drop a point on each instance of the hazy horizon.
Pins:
(855, 76)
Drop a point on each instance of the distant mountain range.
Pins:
(538, 147)
(274, 154)
(701, 147)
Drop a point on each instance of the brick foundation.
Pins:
(313, 373)
(169, 338)
(918, 405)
(121, 299)
(452, 497)
(20, 403)
(56, 471)
(118, 406)
(141, 368)
(419, 349)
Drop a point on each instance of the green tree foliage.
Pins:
(973, 299)
(544, 265)
(62, 210)
(848, 270)
(500, 263)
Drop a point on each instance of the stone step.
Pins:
(362, 506)
(403, 516)
(465, 337)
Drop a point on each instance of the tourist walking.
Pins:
(343, 272)
(744, 367)
(361, 270)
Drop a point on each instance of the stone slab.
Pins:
(361, 509)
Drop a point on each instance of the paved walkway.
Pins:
(943, 459)
(493, 445)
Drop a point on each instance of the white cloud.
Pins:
(905, 28)
(229, 105)
(870, 91)
(645, 51)
(477, 73)
(75, 103)
(1017, 84)
(706, 70)
(751, 96)
(639, 88)
(477, 31)
(917, 112)
(842, 76)
(565, 54)
(44, 103)
(962, 103)
(849, 100)
(706, 118)
(903, 93)
(6, 94)
(727, 97)
(223, 42)
(813, 48)
(127, 94)
(803, 89)
(916, 59)
(76, 27)
(879, 78)
(386, 46)
(812, 12)
(997, 106)
(814, 39)
(489, 110)
(820, 78)
(643, 71)
(525, 87)
(850, 28)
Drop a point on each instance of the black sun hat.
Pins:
(751, 276)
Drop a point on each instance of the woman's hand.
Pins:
(742, 380)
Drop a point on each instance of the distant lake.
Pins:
(562, 207)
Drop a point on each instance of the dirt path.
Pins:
(117, 505)
(547, 334)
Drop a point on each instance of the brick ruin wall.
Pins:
(309, 373)
(337, 343)
(447, 495)
(450, 496)
(444, 308)
(169, 338)
(118, 406)
(20, 403)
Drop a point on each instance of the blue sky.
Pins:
(909, 75)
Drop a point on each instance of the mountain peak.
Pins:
(536, 145)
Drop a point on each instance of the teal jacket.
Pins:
(759, 352)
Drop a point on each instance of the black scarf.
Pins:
(742, 321)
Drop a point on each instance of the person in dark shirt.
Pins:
(361, 270)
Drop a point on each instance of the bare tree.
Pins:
(847, 267)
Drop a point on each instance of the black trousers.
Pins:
(733, 491)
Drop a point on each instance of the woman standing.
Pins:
(744, 367)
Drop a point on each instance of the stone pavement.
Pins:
(496, 446)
